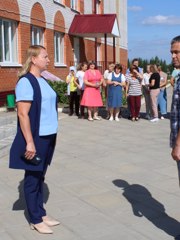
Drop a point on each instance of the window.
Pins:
(99, 54)
(37, 36)
(8, 41)
(97, 6)
(58, 48)
(59, 1)
(74, 4)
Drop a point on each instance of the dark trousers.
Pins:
(34, 180)
(81, 107)
(74, 99)
(135, 105)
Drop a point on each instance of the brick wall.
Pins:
(38, 16)
(123, 57)
(10, 9)
(50, 16)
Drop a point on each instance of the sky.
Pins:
(151, 26)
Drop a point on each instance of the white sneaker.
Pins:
(154, 120)
(111, 118)
(116, 119)
(162, 118)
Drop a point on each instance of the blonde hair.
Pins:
(153, 68)
(33, 51)
(111, 65)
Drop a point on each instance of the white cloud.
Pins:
(147, 49)
(162, 20)
(135, 8)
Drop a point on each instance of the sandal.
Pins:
(90, 119)
(97, 118)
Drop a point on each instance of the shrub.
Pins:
(61, 89)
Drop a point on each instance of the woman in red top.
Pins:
(92, 96)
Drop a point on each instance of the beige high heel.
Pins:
(50, 221)
(41, 228)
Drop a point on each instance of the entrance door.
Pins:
(76, 51)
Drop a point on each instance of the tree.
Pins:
(168, 68)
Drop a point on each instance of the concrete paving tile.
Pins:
(157, 229)
(12, 219)
(92, 226)
(128, 235)
(169, 170)
(64, 178)
(70, 208)
(168, 185)
(84, 188)
(107, 201)
(5, 236)
(85, 184)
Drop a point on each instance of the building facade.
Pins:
(47, 22)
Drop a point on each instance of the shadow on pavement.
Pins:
(144, 205)
(20, 203)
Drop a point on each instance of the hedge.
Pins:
(61, 89)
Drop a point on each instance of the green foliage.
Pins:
(168, 68)
(124, 99)
(61, 89)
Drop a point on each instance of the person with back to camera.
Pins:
(33, 147)
(92, 96)
(116, 81)
(154, 86)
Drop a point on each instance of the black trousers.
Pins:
(74, 99)
(81, 107)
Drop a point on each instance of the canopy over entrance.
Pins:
(95, 26)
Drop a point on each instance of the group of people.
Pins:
(84, 90)
(86, 84)
(33, 147)
(154, 91)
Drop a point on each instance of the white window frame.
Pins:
(39, 38)
(74, 4)
(99, 54)
(11, 42)
(59, 1)
(97, 6)
(59, 49)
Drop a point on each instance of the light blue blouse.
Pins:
(48, 117)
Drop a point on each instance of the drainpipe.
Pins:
(114, 49)
(95, 10)
(95, 43)
(105, 49)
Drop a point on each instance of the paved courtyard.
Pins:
(108, 181)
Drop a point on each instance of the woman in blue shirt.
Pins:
(36, 134)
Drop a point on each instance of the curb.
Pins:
(4, 109)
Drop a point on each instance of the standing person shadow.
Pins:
(20, 203)
(143, 204)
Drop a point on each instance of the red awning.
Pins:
(95, 25)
